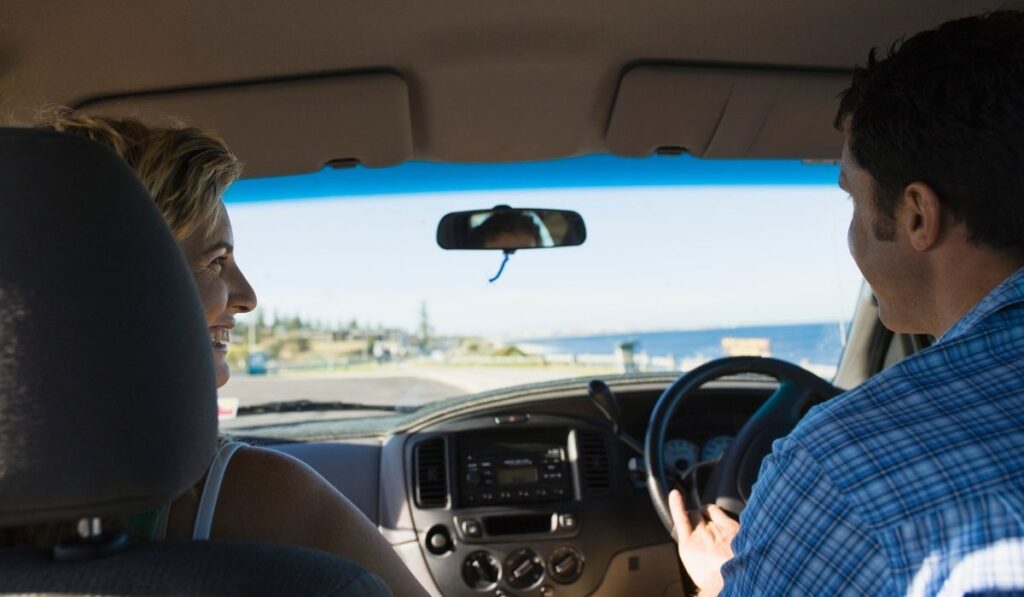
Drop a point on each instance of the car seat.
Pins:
(107, 389)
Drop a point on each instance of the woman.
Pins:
(252, 494)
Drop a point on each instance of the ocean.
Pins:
(818, 343)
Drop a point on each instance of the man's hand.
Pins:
(706, 548)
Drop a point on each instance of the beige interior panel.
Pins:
(293, 126)
(727, 113)
(487, 82)
(651, 570)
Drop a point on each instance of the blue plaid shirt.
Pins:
(910, 484)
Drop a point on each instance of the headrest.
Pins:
(107, 389)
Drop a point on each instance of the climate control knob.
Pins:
(565, 564)
(523, 568)
(481, 571)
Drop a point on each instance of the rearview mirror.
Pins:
(510, 229)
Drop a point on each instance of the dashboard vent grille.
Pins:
(594, 466)
(431, 474)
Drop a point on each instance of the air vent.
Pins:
(431, 474)
(594, 464)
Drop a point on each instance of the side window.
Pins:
(902, 346)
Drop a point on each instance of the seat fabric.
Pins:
(190, 568)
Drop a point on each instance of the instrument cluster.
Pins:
(681, 454)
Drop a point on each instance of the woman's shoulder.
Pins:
(267, 463)
(267, 495)
(249, 460)
(274, 476)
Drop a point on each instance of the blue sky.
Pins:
(674, 243)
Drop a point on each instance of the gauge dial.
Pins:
(680, 454)
(715, 447)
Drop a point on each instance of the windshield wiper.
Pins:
(294, 406)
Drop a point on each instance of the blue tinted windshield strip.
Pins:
(595, 171)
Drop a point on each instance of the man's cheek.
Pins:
(856, 241)
(851, 239)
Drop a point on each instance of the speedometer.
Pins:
(715, 447)
(680, 454)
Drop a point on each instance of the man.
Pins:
(912, 483)
(506, 230)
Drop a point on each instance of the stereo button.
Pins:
(471, 528)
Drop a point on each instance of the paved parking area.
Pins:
(372, 390)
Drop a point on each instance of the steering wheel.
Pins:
(732, 476)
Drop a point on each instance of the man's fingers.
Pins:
(675, 506)
(723, 520)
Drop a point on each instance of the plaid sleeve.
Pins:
(799, 536)
(973, 547)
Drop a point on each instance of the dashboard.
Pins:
(533, 497)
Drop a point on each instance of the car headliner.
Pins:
(293, 86)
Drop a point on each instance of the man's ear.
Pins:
(923, 216)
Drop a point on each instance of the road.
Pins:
(372, 390)
(403, 386)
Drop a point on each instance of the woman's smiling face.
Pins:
(223, 290)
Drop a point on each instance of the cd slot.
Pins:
(519, 524)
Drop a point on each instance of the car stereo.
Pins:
(513, 468)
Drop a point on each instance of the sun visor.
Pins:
(727, 113)
(293, 126)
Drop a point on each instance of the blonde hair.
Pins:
(186, 170)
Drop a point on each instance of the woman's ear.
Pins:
(923, 216)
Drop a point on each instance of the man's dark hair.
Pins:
(504, 223)
(946, 108)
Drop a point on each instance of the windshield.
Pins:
(684, 261)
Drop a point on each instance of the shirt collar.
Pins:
(1009, 292)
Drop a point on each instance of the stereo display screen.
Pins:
(517, 475)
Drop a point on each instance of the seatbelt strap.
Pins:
(211, 489)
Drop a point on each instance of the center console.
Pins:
(536, 505)
(501, 509)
